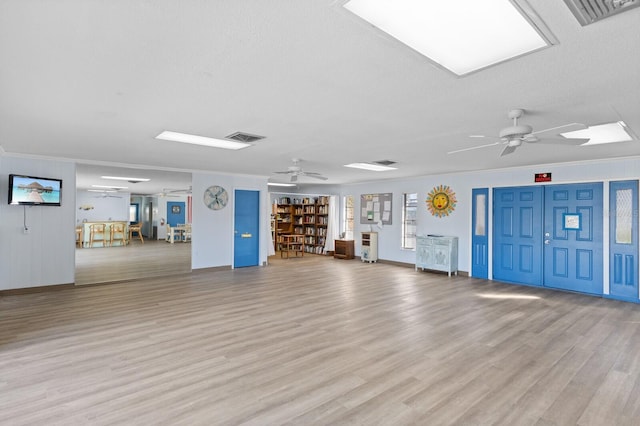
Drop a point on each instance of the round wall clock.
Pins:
(215, 197)
(441, 201)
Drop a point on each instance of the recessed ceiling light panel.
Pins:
(110, 186)
(370, 166)
(201, 140)
(463, 35)
(602, 133)
(128, 179)
(280, 184)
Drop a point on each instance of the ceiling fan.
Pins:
(295, 171)
(513, 136)
(169, 192)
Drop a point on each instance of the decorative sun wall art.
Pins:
(441, 201)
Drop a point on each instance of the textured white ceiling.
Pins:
(97, 81)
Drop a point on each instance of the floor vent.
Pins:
(244, 137)
(589, 11)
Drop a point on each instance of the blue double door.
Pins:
(549, 236)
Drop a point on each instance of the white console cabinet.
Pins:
(369, 247)
(438, 253)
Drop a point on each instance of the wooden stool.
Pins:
(97, 230)
(135, 227)
(118, 233)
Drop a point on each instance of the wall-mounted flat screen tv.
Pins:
(34, 191)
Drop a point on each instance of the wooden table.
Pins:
(176, 231)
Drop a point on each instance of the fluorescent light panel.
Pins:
(369, 166)
(201, 140)
(462, 36)
(280, 184)
(602, 133)
(128, 179)
(110, 186)
(101, 190)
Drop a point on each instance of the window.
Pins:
(481, 219)
(409, 210)
(624, 216)
(133, 212)
(347, 225)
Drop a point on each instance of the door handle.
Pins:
(547, 241)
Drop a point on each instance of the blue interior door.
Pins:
(175, 213)
(573, 237)
(480, 233)
(623, 240)
(517, 234)
(246, 248)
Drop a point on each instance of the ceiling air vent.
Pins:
(589, 11)
(385, 162)
(244, 137)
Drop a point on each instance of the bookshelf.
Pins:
(306, 217)
(283, 222)
(291, 244)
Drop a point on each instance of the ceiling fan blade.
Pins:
(562, 141)
(283, 173)
(566, 128)
(474, 147)
(508, 150)
(484, 137)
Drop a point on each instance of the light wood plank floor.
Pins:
(154, 258)
(317, 341)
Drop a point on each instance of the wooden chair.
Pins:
(135, 227)
(79, 236)
(168, 237)
(118, 233)
(186, 234)
(97, 232)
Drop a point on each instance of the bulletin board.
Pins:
(376, 208)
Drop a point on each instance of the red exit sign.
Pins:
(543, 177)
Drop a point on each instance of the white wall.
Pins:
(46, 255)
(212, 233)
(458, 223)
(109, 208)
